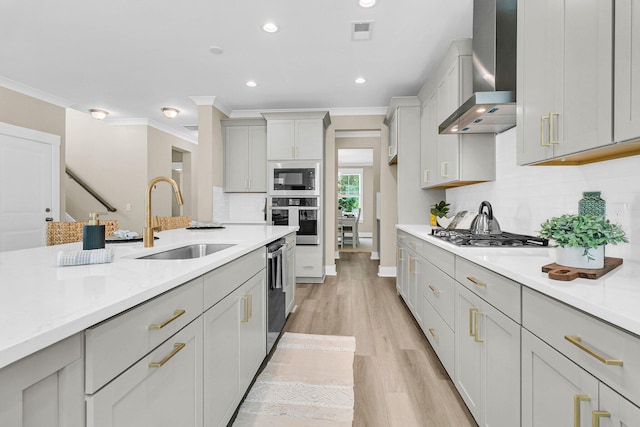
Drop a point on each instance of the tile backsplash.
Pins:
(242, 208)
(524, 196)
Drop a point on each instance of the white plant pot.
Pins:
(574, 257)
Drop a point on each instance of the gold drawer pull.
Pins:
(433, 334)
(176, 348)
(176, 314)
(434, 290)
(250, 305)
(476, 281)
(245, 318)
(411, 262)
(577, 341)
(596, 415)
(576, 407)
(472, 310)
(477, 331)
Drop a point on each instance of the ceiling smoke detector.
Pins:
(361, 31)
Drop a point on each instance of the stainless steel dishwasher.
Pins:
(276, 284)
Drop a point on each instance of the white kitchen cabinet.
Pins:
(615, 410)
(564, 66)
(234, 348)
(245, 156)
(627, 71)
(290, 289)
(452, 160)
(296, 136)
(162, 388)
(46, 388)
(555, 391)
(402, 271)
(487, 360)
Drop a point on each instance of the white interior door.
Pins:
(29, 186)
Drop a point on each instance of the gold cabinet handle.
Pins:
(411, 262)
(443, 169)
(433, 334)
(425, 175)
(476, 281)
(577, 341)
(553, 129)
(176, 348)
(477, 331)
(389, 151)
(399, 254)
(250, 306)
(245, 299)
(176, 314)
(472, 310)
(596, 415)
(576, 407)
(542, 119)
(434, 290)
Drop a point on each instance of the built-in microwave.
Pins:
(294, 178)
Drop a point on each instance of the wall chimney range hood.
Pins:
(492, 107)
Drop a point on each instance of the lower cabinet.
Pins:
(487, 360)
(290, 289)
(45, 389)
(234, 347)
(162, 388)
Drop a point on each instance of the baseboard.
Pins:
(375, 255)
(386, 271)
(330, 270)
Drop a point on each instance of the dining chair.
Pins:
(350, 232)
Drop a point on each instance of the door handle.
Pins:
(576, 407)
(596, 415)
(542, 119)
(477, 331)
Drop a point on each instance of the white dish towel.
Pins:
(95, 256)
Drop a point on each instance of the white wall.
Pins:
(524, 196)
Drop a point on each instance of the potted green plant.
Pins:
(438, 210)
(581, 238)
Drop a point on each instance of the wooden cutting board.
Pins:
(561, 272)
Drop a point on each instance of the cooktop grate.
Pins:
(504, 239)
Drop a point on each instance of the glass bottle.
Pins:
(592, 204)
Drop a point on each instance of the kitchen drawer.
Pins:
(439, 335)
(497, 290)
(222, 281)
(411, 242)
(439, 289)
(441, 258)
(115, 344)
(552, 321)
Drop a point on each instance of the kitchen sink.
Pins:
(189, 252)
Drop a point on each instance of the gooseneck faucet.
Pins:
(147, 235)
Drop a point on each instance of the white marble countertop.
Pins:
(613, 298)
(41, 304)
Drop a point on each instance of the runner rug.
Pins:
(308, 382)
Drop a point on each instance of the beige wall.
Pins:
(388, 186)
(210, 171)
(22, 110)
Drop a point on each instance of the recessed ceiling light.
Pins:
(270, 27)
(360, 80)
(366, 3)
(170, 113)
(216, 50)
(251, 83)
(98, 114)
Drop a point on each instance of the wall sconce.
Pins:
(98, 114)
(170, 113)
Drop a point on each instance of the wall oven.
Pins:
(294, 178)
(301, 211)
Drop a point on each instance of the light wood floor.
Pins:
(398, 379)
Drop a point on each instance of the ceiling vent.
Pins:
(192, 127)
(361, 30)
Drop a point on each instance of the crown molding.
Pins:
(211, 101)
(152, 123)
(34, 93)
(358, 134)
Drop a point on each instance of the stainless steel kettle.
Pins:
(485, 223)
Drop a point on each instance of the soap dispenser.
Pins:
(93, 233)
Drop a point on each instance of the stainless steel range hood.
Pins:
(492, 107)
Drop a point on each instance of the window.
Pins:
(350, 190)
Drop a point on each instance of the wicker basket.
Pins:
(69, 232)
(171, 222)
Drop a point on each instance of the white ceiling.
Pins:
(134, 57)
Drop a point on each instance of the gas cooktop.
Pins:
(504, 239)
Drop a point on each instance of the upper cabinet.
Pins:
(566, 81)
(627, 71)
(452, 160)
(296, 136)
(245, 156)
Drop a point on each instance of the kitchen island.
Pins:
(100, 333)
(520, 348)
